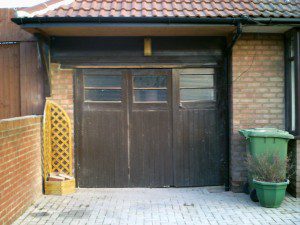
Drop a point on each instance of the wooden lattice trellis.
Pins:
(57, 140)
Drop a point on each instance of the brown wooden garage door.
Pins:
(149, 127)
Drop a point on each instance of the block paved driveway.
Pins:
(142, 206)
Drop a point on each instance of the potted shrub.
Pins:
(269, 171)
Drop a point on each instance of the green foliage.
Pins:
(268, 167)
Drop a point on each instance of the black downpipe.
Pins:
(228, 69)
(234, 39)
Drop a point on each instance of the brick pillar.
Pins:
(62, 89)
(257, 93)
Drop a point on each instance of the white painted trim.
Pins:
(21, 13)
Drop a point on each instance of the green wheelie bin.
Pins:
(261, 140)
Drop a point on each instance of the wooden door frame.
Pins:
(77, 87)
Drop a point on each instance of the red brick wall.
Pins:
(20, 165)
(257, 93)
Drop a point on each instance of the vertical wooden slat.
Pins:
(31, 82)
(196, 158)
(14, 82)
(10, 81)
(185, 149)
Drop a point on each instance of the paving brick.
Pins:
(139, 206)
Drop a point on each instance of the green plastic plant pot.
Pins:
(270, 194)
(262, 140)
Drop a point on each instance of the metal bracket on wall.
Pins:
(8, 42)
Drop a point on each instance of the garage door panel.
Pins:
(137, 155)
(151, 154)
(105, 153)
(212, 149)
(196, 159)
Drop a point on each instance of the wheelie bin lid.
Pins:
(265, 132)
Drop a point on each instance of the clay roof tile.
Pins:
(163, 8)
